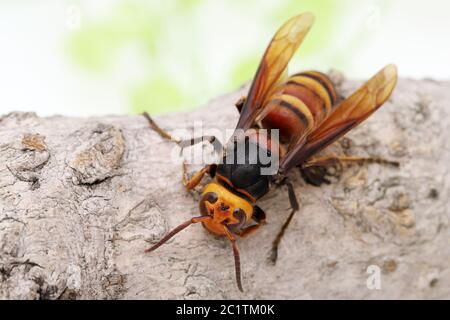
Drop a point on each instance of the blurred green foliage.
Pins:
(326, 12)
(94, 46)
(176, 73)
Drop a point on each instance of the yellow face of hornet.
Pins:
(225, 208)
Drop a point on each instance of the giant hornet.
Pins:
(309, 115)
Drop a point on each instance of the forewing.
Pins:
(351, 112)
(273, 65)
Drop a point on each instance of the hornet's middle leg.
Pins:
(183, 143)
(189, 183)
(294, 208)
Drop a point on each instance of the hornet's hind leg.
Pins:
(240, 103)
(315, 170)
(329, 160)
(315, 175)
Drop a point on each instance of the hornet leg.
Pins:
(191, 183)
(315, 175)
(240, 103)
(315, 170)
(183, 143)
(211, 139)
(294, 206)
(260, 218)
(164, 134)
(332, 159)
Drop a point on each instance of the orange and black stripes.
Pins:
(324, 81)
(300, 104)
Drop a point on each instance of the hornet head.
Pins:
(222, 213)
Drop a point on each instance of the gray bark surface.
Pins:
(81, 198)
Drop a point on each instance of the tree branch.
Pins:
(81, 199)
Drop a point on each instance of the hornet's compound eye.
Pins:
(241, 216)
(211, 197)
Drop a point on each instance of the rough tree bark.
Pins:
(80, 199)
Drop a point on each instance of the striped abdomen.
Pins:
(300, 104)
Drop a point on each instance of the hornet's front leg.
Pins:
(259, 217)
(191, 183)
